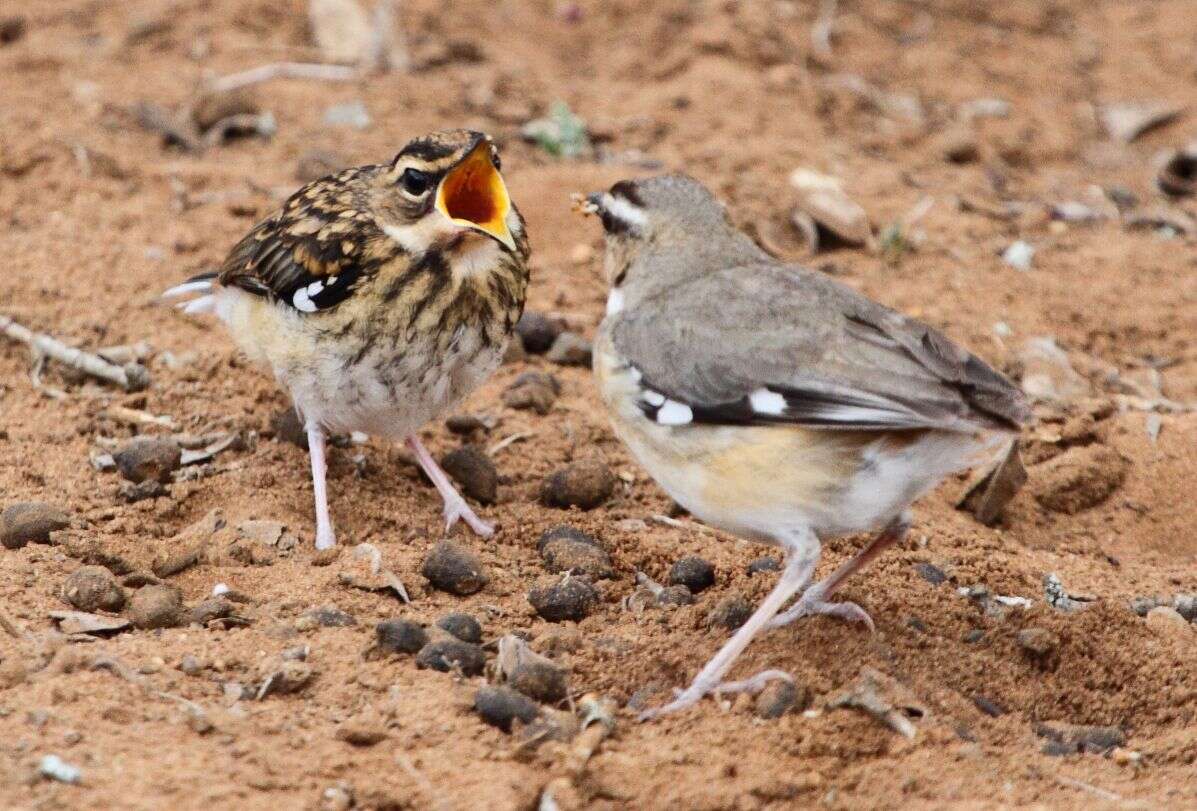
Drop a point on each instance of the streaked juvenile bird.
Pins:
(380, 296)
(773, 402)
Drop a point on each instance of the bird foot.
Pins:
(457, 509)
(810, 605)
(695, 692)
(325, 539)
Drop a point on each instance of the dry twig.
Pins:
(284, 70)
(130, 377)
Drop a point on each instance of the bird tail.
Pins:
(202, 283)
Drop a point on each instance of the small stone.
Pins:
(989, 706)
(446, 654)
(499, 706)
(213, 608)
(474, 472)
(465, 424)
(731, 612)
(537, 331)
(533, 391)
(1141, 605)
(401, 636)
(1186, 606)
(765, 564)
(540, 678)
(190, 665)
(133, 493)
(361, 733)
(692, 572)
(557, 600)
(931, 573)
(1040, 645)
(1167, 619)
(146, 459)
(565, 549)
(453, 568)
(777, 698)
(584, 484)
(974, 636)
(31, 522)
(329, 616)
(290, 676)
(156, 607)
(93, 588)
(1080, 738)
(675, 595)
(570, 349)
(288, 428)
(461, 625)
(338, 797)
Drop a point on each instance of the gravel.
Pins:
(452, 567)
(584, 484)
(93, 588)
(558, 600)
(565, 549)
(694, 573)
(156, 607)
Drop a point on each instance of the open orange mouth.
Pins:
(473, 194)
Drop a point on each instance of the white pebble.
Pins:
(1019, 255)
(55, 768)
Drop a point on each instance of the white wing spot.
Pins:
(674, 413)
(653, 398)
(332, 280)
(614, 301)
(315, 288)
(764, 401)
(302, 301)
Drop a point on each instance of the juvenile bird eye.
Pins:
(415, 182)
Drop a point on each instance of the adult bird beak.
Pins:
(473, 194)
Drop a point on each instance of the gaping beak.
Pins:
(585, 204)
(473, 194)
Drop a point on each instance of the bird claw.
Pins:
(683, 699)
(325, 539)
(848, 611)
(456, 509)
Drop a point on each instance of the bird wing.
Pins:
(769, 343)
(314, 252)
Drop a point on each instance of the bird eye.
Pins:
(494, 158)
(415, 182)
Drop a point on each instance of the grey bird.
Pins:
(775, 403)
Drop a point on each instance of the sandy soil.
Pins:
(98, 216)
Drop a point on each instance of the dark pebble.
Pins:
(465, 424)
(692, 572)
(11, 29)
(31, 522)
(156, 607)
(565, 549)
(329, 616)
(288, 428)
(500, 706)
(537, 331)
(148, 459)
(1071, 739)
(931, 573)
(213, 608)
(778, 698)
(453, 568)
(445, 654)
(989, 707)
(675, 595)
(463, 626)
(584, 484)
(974, 636)
(570, 349)
(401, 636)
(1141, 605)
(1186, 606)
(532, 391)
(765, 564)
(558, 600)
(541, 679)
(474, 471)
(93, 588)
(916, 624)
(731, 612)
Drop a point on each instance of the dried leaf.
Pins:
(822, 197)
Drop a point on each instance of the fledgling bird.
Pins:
(380, 296)
(773, 402)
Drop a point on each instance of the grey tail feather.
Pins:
(202, 283)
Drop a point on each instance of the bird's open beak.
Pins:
(473, 194)
(587, 203)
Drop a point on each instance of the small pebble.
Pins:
(499, 706)
(191, 666)
(1040, 645)
(288, 428)
(570, 349)
(1079, 738)
(765, 564)
(93, 588)
(532, 391)
(148, 459)
(974, 636)
(557, 600)
(132, 493)
(675, 595)
(931, 573)
(156, 607)
(776, 699)
(731, 612)
(474, 472)
(55, 768)
(584, 484)
(1166, 618)
(541, 679)
(361, 733)
(465, 424)
(989, 707)
(463, 626)
(31, 522)
(565, 549)
(329, 616)
(445, 654)
(537, 332)
(692, 572)
(213, 608)
(1186, 606)
(452, 567)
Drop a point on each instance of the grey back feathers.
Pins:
(719, 332)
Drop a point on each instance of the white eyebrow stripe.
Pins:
(624, 210)
(653, 398)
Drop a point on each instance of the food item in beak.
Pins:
(473, 194)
